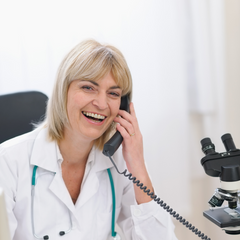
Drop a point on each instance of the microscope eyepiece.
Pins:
(207, 146)
(228, 142)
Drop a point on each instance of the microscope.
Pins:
(226, 166)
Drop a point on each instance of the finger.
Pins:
(125, 134)
(132, 110)
(124, 123)
(130, 117)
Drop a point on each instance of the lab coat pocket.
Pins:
(104, 224)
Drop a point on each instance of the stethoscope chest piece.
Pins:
(117, 237)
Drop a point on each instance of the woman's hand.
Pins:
(132, 143)
(133, 150)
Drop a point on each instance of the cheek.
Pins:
(72, 107)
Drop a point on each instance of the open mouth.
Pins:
(94, 117)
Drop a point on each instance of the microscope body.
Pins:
(226, 166)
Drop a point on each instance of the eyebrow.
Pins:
(96, 84)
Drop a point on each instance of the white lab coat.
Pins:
(91, 215)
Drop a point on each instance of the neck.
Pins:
(75, 151)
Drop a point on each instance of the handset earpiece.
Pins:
(111, 146)
(125, 103)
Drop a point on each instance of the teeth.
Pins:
(94, 115)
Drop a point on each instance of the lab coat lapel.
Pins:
(59, 189)
(90, 184)
(44, 155)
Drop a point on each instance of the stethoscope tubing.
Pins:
(113, 202)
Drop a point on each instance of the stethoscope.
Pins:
(114, 234)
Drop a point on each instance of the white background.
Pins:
(175, 51)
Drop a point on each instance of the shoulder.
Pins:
(20, 145)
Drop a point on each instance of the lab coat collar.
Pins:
(44, 152)
(101, 162)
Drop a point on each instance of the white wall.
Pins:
(173, 49)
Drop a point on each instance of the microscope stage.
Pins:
(221, 218)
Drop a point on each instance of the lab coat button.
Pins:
(137, 212)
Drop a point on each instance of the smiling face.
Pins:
(91, 107)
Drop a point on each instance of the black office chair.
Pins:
(18, 112)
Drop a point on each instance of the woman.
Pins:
(55, 178)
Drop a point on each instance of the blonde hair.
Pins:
(89, 60)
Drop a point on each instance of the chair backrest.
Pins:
(18, 111)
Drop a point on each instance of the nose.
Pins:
(100, 101)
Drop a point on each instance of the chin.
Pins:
(93, 136)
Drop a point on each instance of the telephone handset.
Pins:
(111, 146)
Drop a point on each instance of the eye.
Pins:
(87, 88)
(114, 94)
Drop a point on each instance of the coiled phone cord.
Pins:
(160, 202)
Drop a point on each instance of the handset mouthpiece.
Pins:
(111, 146)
